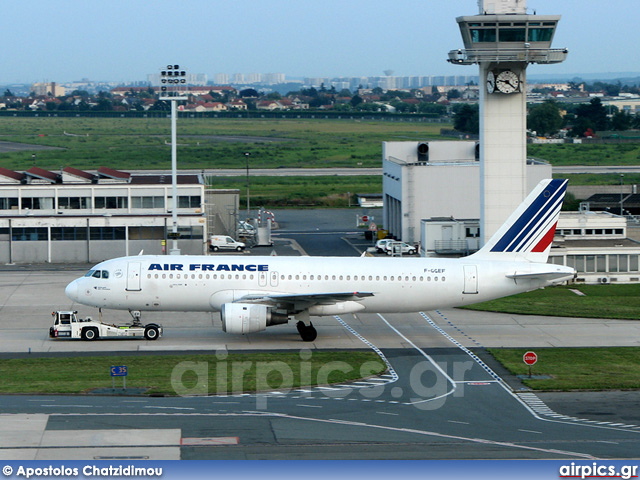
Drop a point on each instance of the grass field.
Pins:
(576, 368)
(599, 301)
(587, 154)
(600, 178)
(126, 143)
(235, 373)
(323, 191)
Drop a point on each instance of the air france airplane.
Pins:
(252, 293)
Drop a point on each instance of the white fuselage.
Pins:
(204, 283)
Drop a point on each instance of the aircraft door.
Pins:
(470, 279)
(262, 279)
(274, 279)
(133, 277)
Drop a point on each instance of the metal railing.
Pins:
(451, 247)
(528, 55)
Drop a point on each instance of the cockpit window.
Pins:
(97, 273)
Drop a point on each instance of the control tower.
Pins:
(503, 40)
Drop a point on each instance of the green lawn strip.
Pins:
(600, 178)
(127, 142)
(599, 301)
(234, 373)
(327, 191)
(607, 368)
(587, 154)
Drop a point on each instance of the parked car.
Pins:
(224, 242)
(245, 228)
(403, 247)
(381, 244)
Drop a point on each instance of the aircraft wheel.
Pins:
(151, 332)
(308, 333)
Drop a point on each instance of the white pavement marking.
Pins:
(391, 371)
(431, 360)
(434, 434)
(210, 441)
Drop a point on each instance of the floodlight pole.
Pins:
(174, 177)
(173, 82)
(621, 194)
(246, 154)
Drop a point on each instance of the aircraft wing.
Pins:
(303, 300)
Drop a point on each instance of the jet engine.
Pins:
(249, 318)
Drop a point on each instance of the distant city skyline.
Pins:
(125, 40)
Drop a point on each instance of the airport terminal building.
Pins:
(76, 216)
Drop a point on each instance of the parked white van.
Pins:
(224, 242)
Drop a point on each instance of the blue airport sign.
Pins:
(119, 371)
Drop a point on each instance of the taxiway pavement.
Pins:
(442, 396)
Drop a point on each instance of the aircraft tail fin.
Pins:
(528, 232)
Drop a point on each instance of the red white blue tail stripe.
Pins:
(533, 230)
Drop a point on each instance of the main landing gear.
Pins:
(305, 328)
(308, 333)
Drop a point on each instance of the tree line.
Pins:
(550, 117)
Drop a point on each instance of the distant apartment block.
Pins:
(249, 78)
(392, 82)
(221, 79)
(273, 78)
(246, 78)
(50, 89)
(197, 79)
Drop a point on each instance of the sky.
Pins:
(124, 40)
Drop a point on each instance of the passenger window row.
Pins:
(362, 278)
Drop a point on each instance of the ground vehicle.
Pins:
(224, 242)
(399, 247)
(66, 324)
(381, 244)
(246, 229)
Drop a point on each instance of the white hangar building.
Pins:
(435, 179)
(77, 216)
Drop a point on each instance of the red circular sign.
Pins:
(530, 358)
(365, 218)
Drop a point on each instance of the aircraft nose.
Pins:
(72, 291)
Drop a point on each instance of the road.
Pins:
(309, 172)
